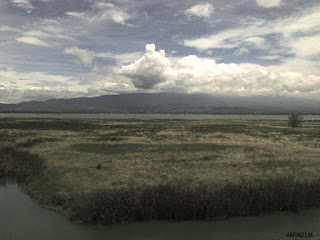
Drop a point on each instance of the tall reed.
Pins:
(178, 202)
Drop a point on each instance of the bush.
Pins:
(295, 120)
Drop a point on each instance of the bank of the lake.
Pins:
(22, 219)
(117, 171)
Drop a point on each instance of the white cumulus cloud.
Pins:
(192, 74)
(149, 70)
(155, 72)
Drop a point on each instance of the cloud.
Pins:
(306, 46)
(102, 11)
(149, 70)
(16, 95)
(270, 57)
(203, 10)
(108, 11)
(32, 40)
(258, 42)
(106, 80)
(269, 3)
(126, 58)
(35, 33)
(76, 14)
(9, 29)
(295, 35)
(290, 28)
(306, 67)
(16, 85)
(47, 30)
(228, 39)
(23, 79)
(85, 56)
(26, 86)
(191, 74)
(154, 72)
(241, 51)
(25, 4)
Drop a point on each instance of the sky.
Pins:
(86, 48)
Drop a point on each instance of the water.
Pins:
(22, 219)
(152, 116)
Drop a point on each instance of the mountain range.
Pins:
(169, 103)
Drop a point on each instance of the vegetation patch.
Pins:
(67, 125)
(34, 141)
(115, 171)
(19, 164)
(110, 149)
(179, 202)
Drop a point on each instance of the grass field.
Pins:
(114, 171)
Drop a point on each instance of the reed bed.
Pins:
(175, 202)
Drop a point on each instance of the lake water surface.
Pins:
(152, 116)
(22, 219)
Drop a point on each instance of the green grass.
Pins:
(163, 169)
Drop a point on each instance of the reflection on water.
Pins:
(22, 219)
(152, 116)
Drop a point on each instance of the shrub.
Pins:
(295, 120)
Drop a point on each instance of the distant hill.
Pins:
(169, 103)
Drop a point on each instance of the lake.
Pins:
(22, 219)
(153, 116)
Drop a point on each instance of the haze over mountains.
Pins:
(169, 103)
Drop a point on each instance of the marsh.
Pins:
(165, 169)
